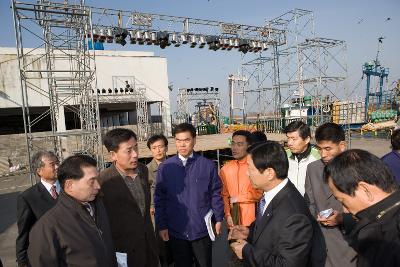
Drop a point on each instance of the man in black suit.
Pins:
(126, 190)
(36, 201)
(284, 232)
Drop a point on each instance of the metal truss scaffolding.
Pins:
(307, 71)
(64, 74)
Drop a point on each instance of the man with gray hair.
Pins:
(36, 201)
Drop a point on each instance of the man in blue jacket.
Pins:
(187, 188)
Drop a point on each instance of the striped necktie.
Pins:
(260, 209)
(53, 192)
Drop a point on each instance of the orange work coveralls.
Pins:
(236, 183)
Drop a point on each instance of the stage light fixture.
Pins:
(131, 90)
(212, 89)
(213, 43)
(193, 41)
(98, 91)
(231, 43)
(95, 33)
(147, 38)
(174, 38)
(103, 91)
(132, 35)
(243, 46)
(116, 90)
(163, 39)
(202, 41)
(236, 43)
(184, 39)
(153, 37)
(264, 46)
(102, 35)
(110, 35)
(109, 90)
(121, 90)
(216, 89)
(120, 35)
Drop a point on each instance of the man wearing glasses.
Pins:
(187, 188)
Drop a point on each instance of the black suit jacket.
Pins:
(132, 233)
(31, 205)
(286, 235)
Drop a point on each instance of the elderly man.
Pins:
(75, 232)
(367, 189)
(36, 201)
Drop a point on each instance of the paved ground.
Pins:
(11, 186)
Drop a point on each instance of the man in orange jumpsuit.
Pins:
(238, 194)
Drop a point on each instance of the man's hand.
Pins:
(229, 221)
(237, 247)
(164, 235)
(238, 232)
(335, 219)
(218, 228)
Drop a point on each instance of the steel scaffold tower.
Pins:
(67, 78)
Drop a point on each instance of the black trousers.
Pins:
(186, 252)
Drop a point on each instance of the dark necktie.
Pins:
(260, 209)
(89, 208)
(53, 192)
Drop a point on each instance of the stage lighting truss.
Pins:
(162, 30)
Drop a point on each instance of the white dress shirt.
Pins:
(268, 196)
(184, 160)
(49, 186)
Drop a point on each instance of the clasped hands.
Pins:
(238, 234)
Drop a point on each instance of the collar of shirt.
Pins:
(183, 159)
(123, 174)
(268, 196)
(48, 186)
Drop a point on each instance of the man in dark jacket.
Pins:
(284, 233)
(366, 188)
(392, 159)
(75, 232)
(187, 189)
(36, 201)
(126, 190)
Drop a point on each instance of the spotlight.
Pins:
(103, 91)
(95, 33)
(147, 36)
(102, 35)
(109, 90)
(154, 38)
(120, 35)
(116, 90)
(216, 89)
(193, 41)
(121, 90)
(110, 36)
(236, 43)
(131, 90)
(213, 43)
(231, 44)
(163, 39)
(264, 46)
(184, 39)
(202, 42)
(126, 90)
(212, 89)
(175, 40)
(243, 46)
(139, 37)
(132, 37)
(98, 91)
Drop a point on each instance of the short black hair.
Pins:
(155, 138)
(244, 133)
(355, 165)
(185, 127)
(257, 137)
(330, 131)
(117, 136)
(71, 168)
(299, 126)
(395, 139)
(270, 154)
